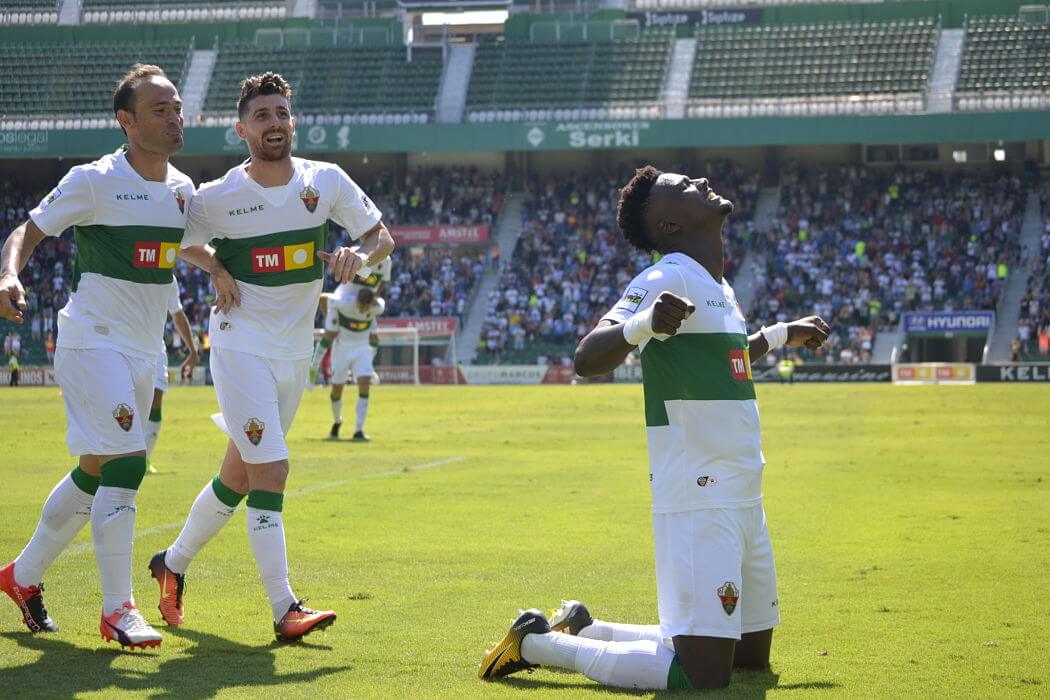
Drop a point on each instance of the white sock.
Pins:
(362, 412)
(266, 534)
(640, 664)
(337, 410)
(152, 433)
(113, 530)
(64, 514)
(619, 632)
(206, 518)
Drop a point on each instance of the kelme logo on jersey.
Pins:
(740, 364)
(155, 254)
(729, 595)
(180, 200)
(283, 258)
(310, 197)
(254, 430)
(124, 416)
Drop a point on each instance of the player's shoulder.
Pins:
(662, 273)
(178, 178)
(318, 168)
(104, 166)
(229, 180)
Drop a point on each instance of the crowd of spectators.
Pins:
(433, 196)
(1033, 328)
(860, 246)
(571, 263)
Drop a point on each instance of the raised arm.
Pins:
(607, 346)
(18, 249)
(810, 331)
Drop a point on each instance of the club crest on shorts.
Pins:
(729, 595)
(254, 430)
(180, 200)
(124, 416)
(309, 196)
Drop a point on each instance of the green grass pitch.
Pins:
(911, 527)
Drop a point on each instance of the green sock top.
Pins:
(225, 494)
(265, 500)
(84, 481)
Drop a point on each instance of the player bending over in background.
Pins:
(349, 321)
(160, 381)
(715, 579)
(260, 231)
(127, 210)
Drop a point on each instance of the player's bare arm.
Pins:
(606, 347)
(811, 332)
(17, 251)
(182, 327)
(226, 294)
(344, 262)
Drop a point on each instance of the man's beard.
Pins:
(267, 153)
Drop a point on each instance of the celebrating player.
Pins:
(351, 312)
(266, 221)
(127, 210)
(716, 583)
(160, 382)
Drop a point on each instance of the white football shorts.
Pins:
(258, 398)
(351, 358)
(108, 396)
(715, 575)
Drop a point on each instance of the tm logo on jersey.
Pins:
(283, 258)
(633, 299)
(155, 254)
(740, 364)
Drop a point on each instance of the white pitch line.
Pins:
(88, 546)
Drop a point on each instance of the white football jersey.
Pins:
(268, 238)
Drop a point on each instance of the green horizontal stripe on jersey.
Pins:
(111, 251)
(691, 367)
(351, 324)
(236, 255)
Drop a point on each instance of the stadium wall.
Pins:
(571, 136)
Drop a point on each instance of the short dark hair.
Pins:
(269, 83)
(366, 295)
(630, 211)
(124, 93)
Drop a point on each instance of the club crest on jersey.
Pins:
(124, 416)
(180, 200)
(740, 364)
(254, 430)
(310, 196)
(729, 595)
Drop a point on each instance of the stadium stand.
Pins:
(333, 85)
(521, 80)
(71, 85)
(827, 68)
(433, 282)
(143, 12)
(860, 246)
(571, 263)
(433, 196)
(19, 12)
(1005, 65)
(1033, 330)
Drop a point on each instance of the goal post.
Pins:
(404, 343)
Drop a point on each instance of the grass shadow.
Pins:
(200, 671)
(745, 684)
